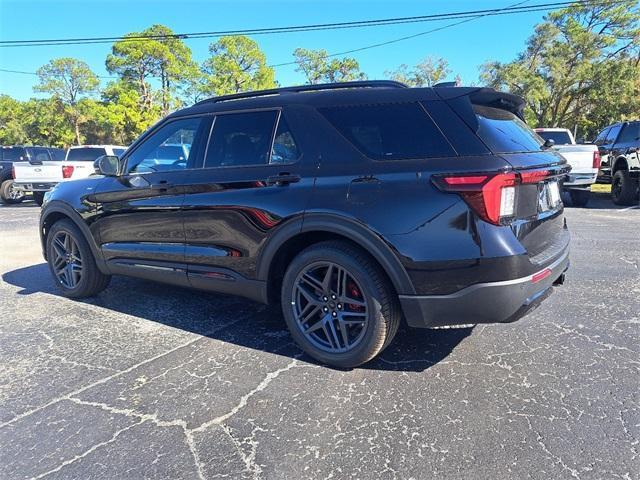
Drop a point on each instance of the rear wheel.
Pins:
(339, 305)
(9, 195)
(38, 197)
(579, 198)
(623, 188)
(71, 262)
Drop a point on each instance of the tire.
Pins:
(623, 188)
(579, 198)
(88, 280)
(38, 197)
(372, 321)
(8, 195)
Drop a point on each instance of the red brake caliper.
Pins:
(355, 293)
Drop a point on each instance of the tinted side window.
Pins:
(503, 132)
(284, 149)
(169, 148)
(630, 134)
(390, 131)
(601, 137)
(241, 139)
(613, 133)
(14, 154)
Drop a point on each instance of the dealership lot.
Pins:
(149, 381)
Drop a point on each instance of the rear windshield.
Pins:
(13, 154)
(559, 138)
(503, 132)
(88, 154)
(57, 153)
(390, 131)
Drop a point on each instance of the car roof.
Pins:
(95, 146)
(373, 91)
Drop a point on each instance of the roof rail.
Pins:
(307, 88)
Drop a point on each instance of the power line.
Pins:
(308, 28)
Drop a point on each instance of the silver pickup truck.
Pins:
(584, 161)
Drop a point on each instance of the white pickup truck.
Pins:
(584, 161)
(39, 177)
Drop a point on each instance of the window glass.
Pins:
(504, 132)
(119, 151)
(630, 134)
(390, 131)
(613, 133)
(601, 137)
(88, 154)
(559, 138)
(167, 149)
(40, 154)
(285, 149)
(241, 139)
(57, 153)
(14, 154)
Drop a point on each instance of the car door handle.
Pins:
(283, 179)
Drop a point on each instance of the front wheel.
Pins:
(623, 188)
(71, 262)
(339, 305)
(9, 194)
(38, 197)
(579, 198)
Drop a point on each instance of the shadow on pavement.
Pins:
(264, 329)
(597, 201)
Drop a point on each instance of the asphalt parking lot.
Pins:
(151, 381)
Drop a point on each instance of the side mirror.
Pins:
(548, 143)
(107, 165)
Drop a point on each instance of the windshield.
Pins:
(88, 154)
(503, 132)
(560, 138)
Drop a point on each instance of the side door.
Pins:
(256, 175)
(138, 222)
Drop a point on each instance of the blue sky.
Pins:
(466, 46)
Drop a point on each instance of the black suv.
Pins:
(619, 146)
(353, 205)
(19, 153)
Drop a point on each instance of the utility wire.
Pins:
(311, 27)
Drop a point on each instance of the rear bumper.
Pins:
(492, 302)
(580, 179)
(34, 186)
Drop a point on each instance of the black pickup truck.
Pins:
(18, 153)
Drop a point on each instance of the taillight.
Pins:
(596, 159)
(67, 171)
(492, 197)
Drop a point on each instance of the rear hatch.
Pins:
(526, 195)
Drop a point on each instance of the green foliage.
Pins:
(168, 60)
(318, 68)
(236, 65)
(425, 74)
(580, 68)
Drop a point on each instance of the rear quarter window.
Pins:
(88, 154)
(504, 132)
(390, 131)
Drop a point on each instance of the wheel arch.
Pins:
(296, 235)
(54, 212)
(620, 164)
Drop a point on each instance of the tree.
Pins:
(236, 65)
(317, 68)
(164, 56)
(68, 80)
(579, 69)
(425, 74)
(12, 129)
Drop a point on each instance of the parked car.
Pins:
(19, 153)
(40, 175)
(584, 160)
(619, 146)
(352, 205)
